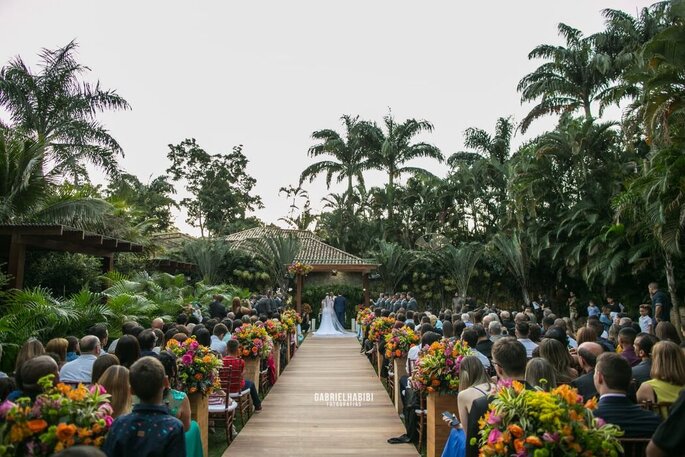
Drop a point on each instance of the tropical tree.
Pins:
(275, 253)
(459, 263)
(59, 111)
(516, 255)
(208, 255)
(394, 262)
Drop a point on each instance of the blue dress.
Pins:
(193, 437)
(456, 444)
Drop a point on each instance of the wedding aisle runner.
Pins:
(296, 420)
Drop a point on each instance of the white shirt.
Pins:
(412, 356)
(218, 345)
(529, 345)
(645, 323)
(79, 370)
(572, 343)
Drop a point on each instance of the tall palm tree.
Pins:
(394, 262)
(349, 157)
(459, 263)
(391, 149)
(573, 77)
(275, 253)
(59, 111)
(517, 259)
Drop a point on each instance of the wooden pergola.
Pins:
(16, 239)
(172, 266)
(323, 257)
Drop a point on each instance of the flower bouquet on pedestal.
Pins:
(535, 423)
(198, 367)
(60, 417)
(299, 268)
(380, 327)
(276, 330)
(399, 341)
(363, 315)
(254, 342)
(437, 368)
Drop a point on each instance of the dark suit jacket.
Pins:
(217, 310)
(339, 304)
(641, 372)
(585, 385)
(412, 305)
(633, 420)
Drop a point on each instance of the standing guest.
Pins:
(593, 309)
(81, 369)
(217, 341)
(668, 375)
(669, 439)
(412, 305)
(100, 330)
(149, 431)
(238, 365)
(644, 342)
(612, 381)
(58, 346)
(217, 310)
(626, 340)
(473, 384)
(73, 350)
(306, 318)
(128, 350)
(572, 305)
(661, 303)
(101, 364)
(646, 321)
(523, 336)
(605, 318)
(147, 340)
(30, 373)
(115, 381)
(587, 357)
(540, 373)
(30, 349)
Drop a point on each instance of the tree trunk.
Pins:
(524, 292)
(670, 279)
(391, 188)
(588, 111)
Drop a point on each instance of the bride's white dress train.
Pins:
(330, 326)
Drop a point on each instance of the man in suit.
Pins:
(612, 380)
(217, 310)
(379, 303)
(644, 342)
(411, 302)
(339, 305)
(587, 357)
(509, 358)
(263, 306)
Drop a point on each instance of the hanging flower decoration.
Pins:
(299, 268)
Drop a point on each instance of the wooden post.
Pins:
(365, 285)
(399, 370)
(287, 349)
(379, 359)
(299, 282)
(17, 260)
(277, 358)
(107, 264)
(199, 412)
(437, 430)
(251, 372)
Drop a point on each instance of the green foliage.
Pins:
(151, 201)
(63, 273)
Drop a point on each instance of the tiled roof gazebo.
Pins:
(313, 251)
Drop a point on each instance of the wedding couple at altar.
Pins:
(333, 316)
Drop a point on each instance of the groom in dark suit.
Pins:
(339, 305)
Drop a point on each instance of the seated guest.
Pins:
(587, 357)
(559, 358)
(128, 350)
(484, 345)
(470, 336)
(607, 345)
(100, 330)
(146, 341)
(473, 383)
(217, 310)
(59, 347)
(626, 339)
(149, 431)
(644, 342)
(523, 335)
(495, 331)
(30, 373)
(101, 364)
(73, 350)
(30, 349)
(668, 375)
(238, 365)
(669, 439)
(509, 358)
(612, 380)
(115, 381)
(218, 344)
(81, 369)
(159, 341)
(540, 373)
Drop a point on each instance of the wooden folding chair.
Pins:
(222, 409)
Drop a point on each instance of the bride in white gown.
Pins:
(330, 326)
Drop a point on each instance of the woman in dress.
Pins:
(473, 384)
(668, 375)
(115, 381)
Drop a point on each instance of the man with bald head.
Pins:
(81, 369)
(157, 323)
(587, 357)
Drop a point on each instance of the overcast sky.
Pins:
(266, 74)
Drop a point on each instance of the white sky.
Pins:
(266, 74)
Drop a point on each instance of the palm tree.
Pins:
(459, 263)
(573, 77)
(59, 110)
(275, 253)
(349, 157)
(394, 262)
(208, 255)
(391, 149)
(516, 255)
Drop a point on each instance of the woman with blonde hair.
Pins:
(668, 375)
(235, 305)
(29, 350)
(58, 346)
(115, 381)
(540, 373)
(473, 384)
(558, 356)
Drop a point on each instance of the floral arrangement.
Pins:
(535, 423)
(276, 330)
(365, 316)
(254, 341)
(299, 268)
(60, 417)
(380, 327)
(399, 341)
(437, 367)
(198, 367)
(290, 319)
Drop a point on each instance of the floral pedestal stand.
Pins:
(437, 430)
(199, 412)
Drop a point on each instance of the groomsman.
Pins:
(411, 302)
(379, 303)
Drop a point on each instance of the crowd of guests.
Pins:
(152, 418)
(634, 368)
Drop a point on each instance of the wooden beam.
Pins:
(110, 243)
(94, 239)
(66, 246)
(299, 281)
(73, 235)
(352, 268)
(107, 264)
(16, 264)
(44, 230)
(124, 246)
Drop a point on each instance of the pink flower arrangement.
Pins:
(198, 367)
